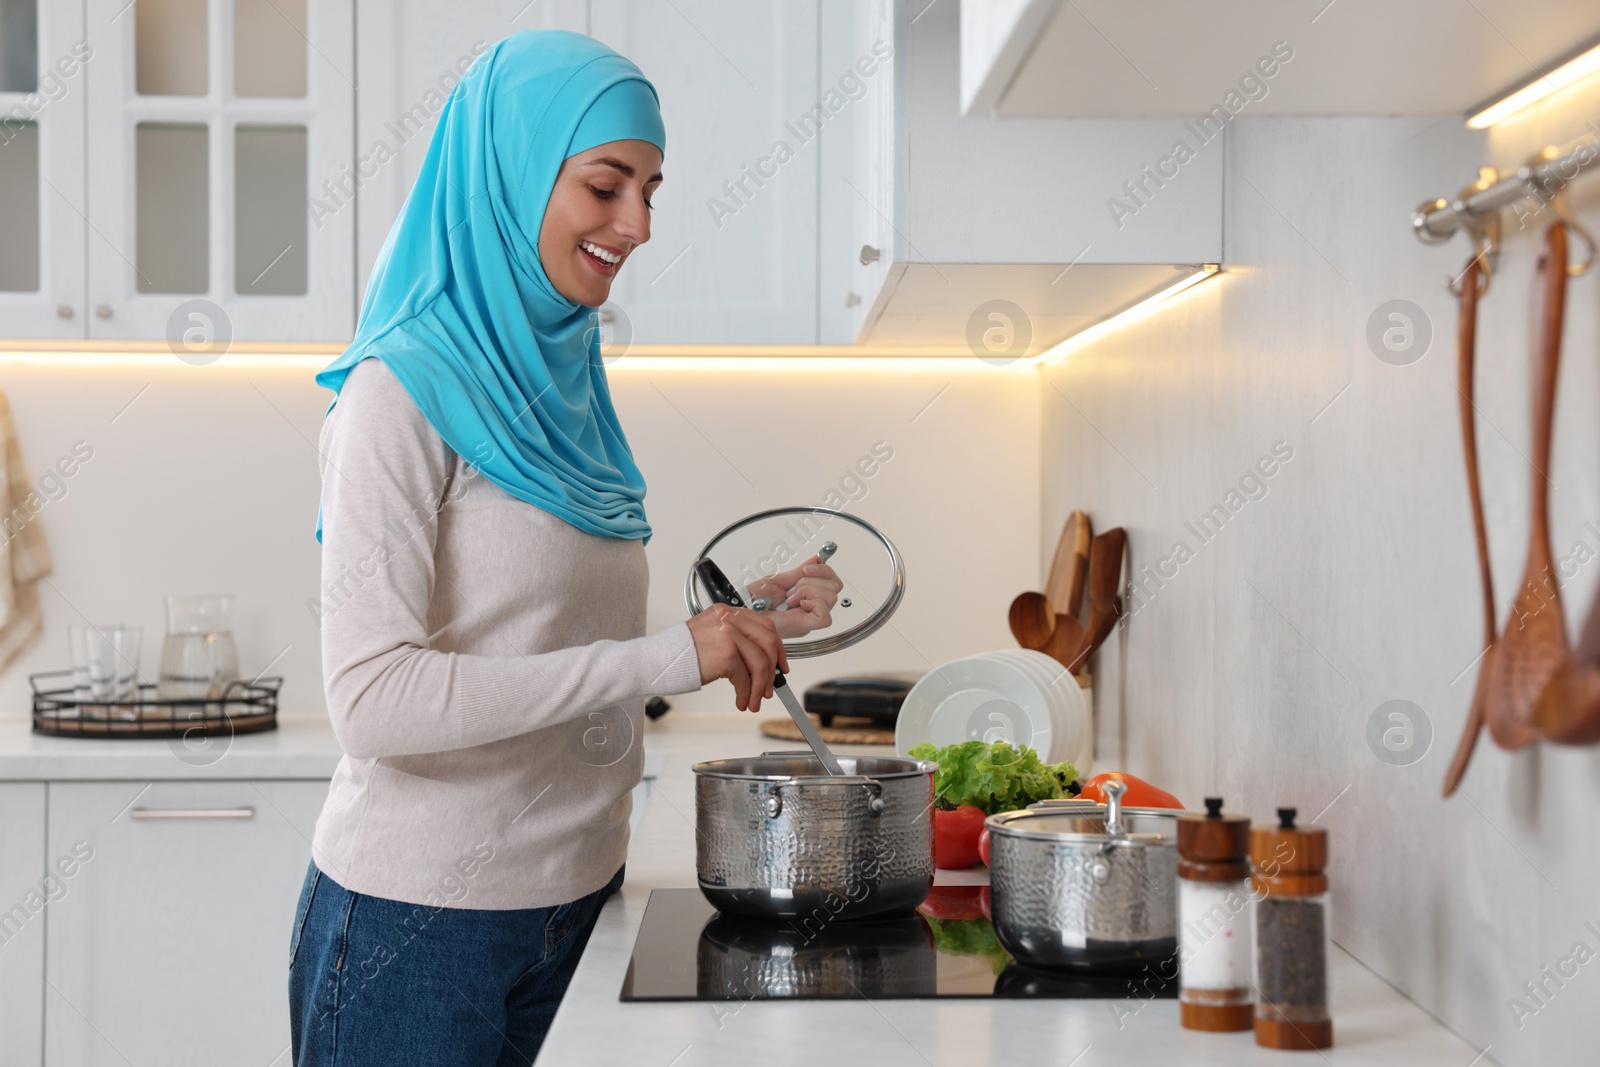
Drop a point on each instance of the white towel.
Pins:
(24, 559)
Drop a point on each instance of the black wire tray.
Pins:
(243, 708)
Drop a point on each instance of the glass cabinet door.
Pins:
(221, 181)
(43, 60)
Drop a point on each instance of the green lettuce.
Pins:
(995, 777)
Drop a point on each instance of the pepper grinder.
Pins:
(1292, 934)
(1214, 921)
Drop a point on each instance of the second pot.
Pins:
(1085, 888)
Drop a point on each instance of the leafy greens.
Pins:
(995, 777)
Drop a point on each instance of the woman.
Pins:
(484, 581)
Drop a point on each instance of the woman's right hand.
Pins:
(742, 646)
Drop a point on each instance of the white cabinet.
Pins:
(409, 55)
(219, 179)
(43, 67)
(862, 154)
(171, 944)
(29, 886)
(980, 211)
(732, 256)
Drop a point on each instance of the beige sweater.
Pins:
(485, 668)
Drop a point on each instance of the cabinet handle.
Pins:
(194, 813)
(102, 311)
(63, 311)
(869, 255)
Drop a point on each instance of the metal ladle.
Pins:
(723, 591)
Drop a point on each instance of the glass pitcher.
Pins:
(198, 658)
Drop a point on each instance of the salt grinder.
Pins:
(1214, 921)
(1292, 934)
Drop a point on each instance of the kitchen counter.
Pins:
(1373, 1024)
(301, 747)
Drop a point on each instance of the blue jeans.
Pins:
(377, 981)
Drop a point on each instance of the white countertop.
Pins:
(301, 747)
(1373, 1024)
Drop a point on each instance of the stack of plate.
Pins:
(1015, 695)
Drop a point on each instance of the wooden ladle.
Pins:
(1466, 353)
(1568, 711)
(1533, 643)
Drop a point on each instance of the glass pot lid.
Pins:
(769, 542)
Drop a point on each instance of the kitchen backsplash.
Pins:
(1302, 557)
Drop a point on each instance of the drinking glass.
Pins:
(112, 670)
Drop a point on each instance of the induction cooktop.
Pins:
(687, 950)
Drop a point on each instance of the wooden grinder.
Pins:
(1214, 921)
(1292, 934)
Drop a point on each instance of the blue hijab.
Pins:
(505, 368)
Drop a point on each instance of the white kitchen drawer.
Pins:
(171, 946)
(24, 893)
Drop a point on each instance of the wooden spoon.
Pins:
(1036, 626)
(1105, 576)
(1466, 352)
(1533, 644)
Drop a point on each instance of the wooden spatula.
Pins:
(1466, 355)
(1533, 644)
(1105, 577)
(1070, 568)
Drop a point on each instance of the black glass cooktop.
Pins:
(687, 950)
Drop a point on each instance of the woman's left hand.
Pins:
(810, 590)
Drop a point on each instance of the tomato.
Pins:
(955, 836)
(983, 847)
(1140, 794)
(957, 902)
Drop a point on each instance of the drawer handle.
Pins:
(194, 813)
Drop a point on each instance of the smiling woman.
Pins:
(599, 212)
(487, 627)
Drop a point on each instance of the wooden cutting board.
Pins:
(844, 731)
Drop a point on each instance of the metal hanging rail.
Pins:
(1545, 178)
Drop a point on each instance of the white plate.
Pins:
(977, 698)
(1074, 732)
(1064, 724)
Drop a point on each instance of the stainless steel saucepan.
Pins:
(1088, 888)
(780, 837)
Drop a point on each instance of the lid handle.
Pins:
(1114, 790)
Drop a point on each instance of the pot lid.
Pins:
(1144, 826)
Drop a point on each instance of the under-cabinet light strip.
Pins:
(782, 359)
(1127, 316)
(641, 360)
(1536, 89)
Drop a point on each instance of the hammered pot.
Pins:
(779, 837)
(1068, 895)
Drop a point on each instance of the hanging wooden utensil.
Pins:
(1035, 625)
(1533, 643)
(1049, 622)
(1466, 353)
(1568, 711)
(1070, 569)
(1105, 576)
